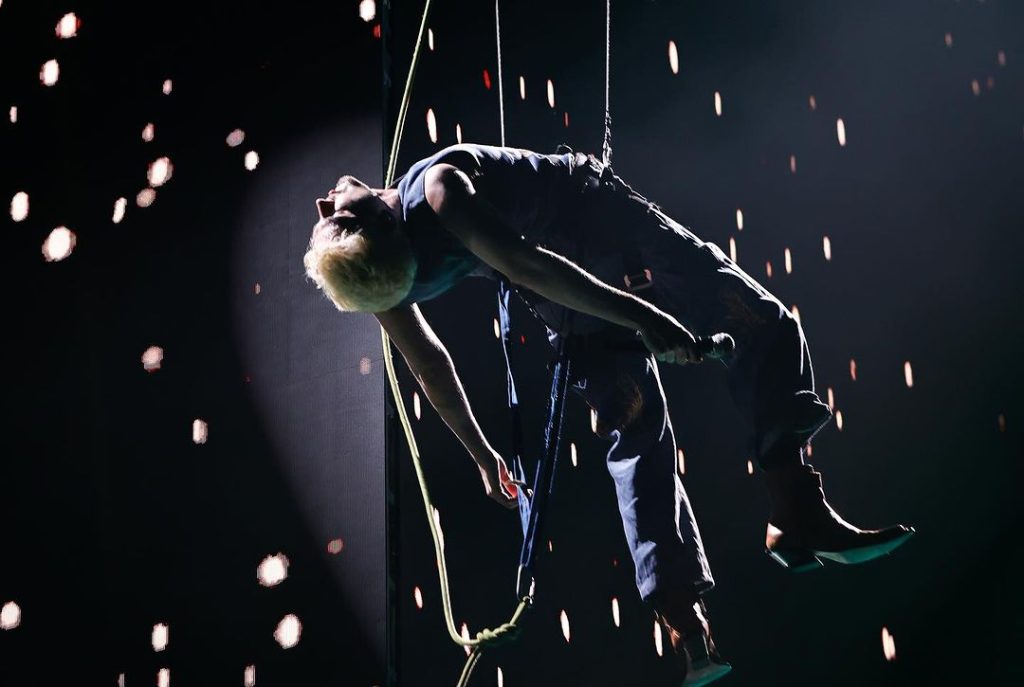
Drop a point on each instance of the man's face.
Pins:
(351, 199)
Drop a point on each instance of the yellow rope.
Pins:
(506, 631)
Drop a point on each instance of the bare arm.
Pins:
(475, 222)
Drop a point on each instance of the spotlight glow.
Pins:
(272, 570)
(288, 631)
(152, 357)
(431, 125)
(49, 73)
(59, 244)
(673, 57)
(159, 637)
(200, 431)
(68, 26)
(19, 206)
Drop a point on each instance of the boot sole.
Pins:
(803, 560)
(706, 676)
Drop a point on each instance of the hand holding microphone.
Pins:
(670, 342)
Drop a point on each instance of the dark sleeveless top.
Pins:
(526, 188)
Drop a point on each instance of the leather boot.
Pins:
(693, 650)
(803, 528)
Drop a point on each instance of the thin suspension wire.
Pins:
(501, 88)
(606, 145)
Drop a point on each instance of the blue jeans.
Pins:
(769, 374)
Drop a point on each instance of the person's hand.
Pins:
(497, 480)
(669, 341)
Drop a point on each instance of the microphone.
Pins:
(714, 347)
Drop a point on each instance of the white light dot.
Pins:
(975, 87)
(163, 678)
(522, 88)
(367, 10)
(789, 262)
(430, 39)
(853, 369)
(888, 645)
(14, 114)
(497, 329)
(335, 546)
(168, 86)
(732, 249)
(615, 611)
(564, 619)
(739, 219)
(49, 74)
(160, 172)
(235, 138)
(718, 104)
(501, 678)
(200, 431)
(120, 680)
(252, 160)
(10, 616)
(826, 245)
(68, 26)
(593, 420)
(416, 404)
(120, 205)
(19, 206)
(417, 595)
(148, 132)
(681, 461)
(551, 93)
(257, 289)
(364, 366)
(673, 57)
(437, 526)
(288, 631)
(152, 357)
(159, 637)
(841, 131)
(59, 244)
(431, 125)
(768, 268)
(272, 570)
(750, 467)
(839, 420)
(250, 676)
(813, 103)
(145, 197)
(572, 454)
(458, 133)
(657, 638)
(908, 375)
(831, 399)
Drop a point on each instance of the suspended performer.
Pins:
(598, 262)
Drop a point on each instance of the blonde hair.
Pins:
(357, 271)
